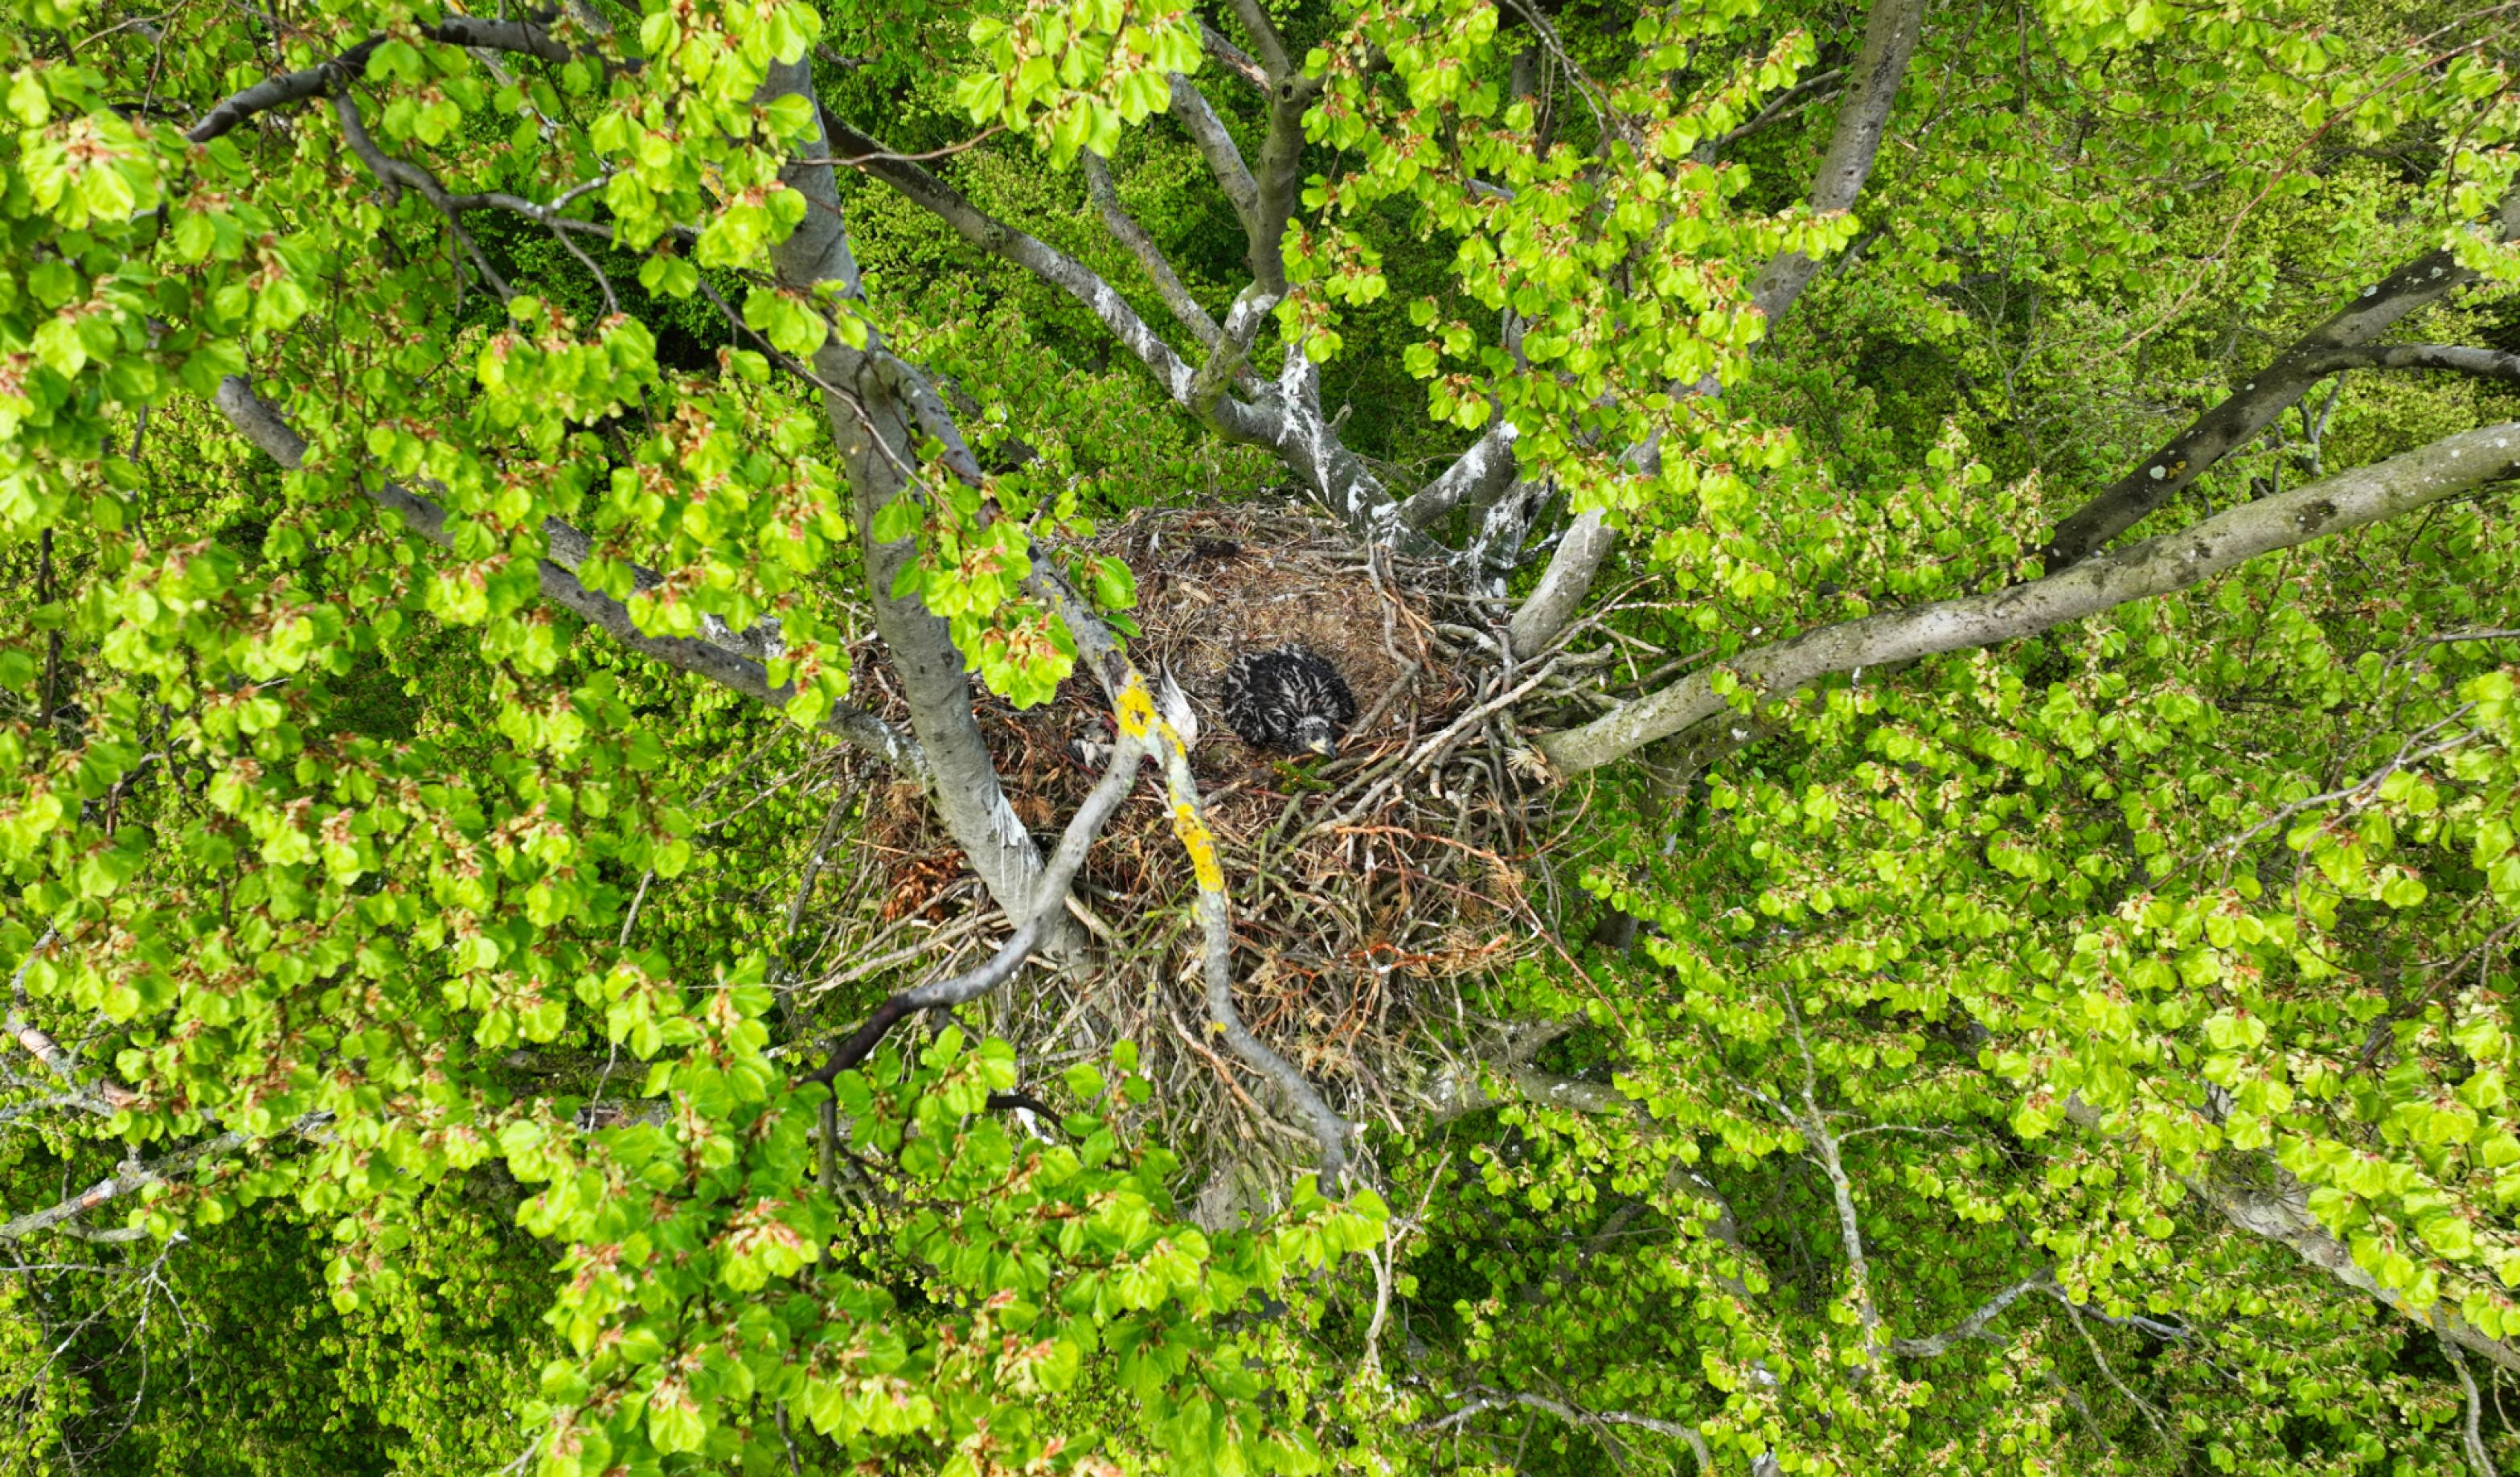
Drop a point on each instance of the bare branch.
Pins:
(2282, 1214)
(1475, 478)
(105, 1095)
(880, 411)
(1936, 1345)
(1132, 699)
(2471, 1438)
(1263, 31)
(1236, 61)
(2485, 363)
(1890, 33)
(1046, 262)
(2239, 417)
(1050, 899)
(1490, 1399)
(317, 80)
(1215, 145)
(2284, 1217)
(1550, 607)
(1168, 284)
(2160, 565)
(134, 1177)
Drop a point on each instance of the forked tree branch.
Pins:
(2484, 363)
(1140, 718)
(1186, 309)
(1491, 1399)
(1052, 267)
(2160, 565)
(2272, 390)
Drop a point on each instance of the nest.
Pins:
(1364, 888)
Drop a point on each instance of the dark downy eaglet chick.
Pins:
(1289, 699)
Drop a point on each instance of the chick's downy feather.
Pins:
(1288, 699)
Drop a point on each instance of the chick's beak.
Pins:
(1324, 747)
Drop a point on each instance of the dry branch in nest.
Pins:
(1364, 888)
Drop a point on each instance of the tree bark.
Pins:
(876, 425)
(2170, 471)
(2156, 567)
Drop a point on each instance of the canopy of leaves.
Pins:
(458, 475)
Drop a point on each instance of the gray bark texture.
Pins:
(729, 659)
(2156, 567)
(2232, 423)
(873, 408)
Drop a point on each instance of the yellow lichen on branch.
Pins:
(1196, 839)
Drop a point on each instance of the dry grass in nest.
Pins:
(1364, 888)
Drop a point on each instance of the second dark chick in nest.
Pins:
(1288, 699)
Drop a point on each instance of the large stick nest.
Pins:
(1363, 887)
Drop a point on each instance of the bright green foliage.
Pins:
(2151, 973)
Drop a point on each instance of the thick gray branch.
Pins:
(317, 80)
(1969, 1328)
(1553, 604)
(1053, 266)
(2485, 363)
(1476, 477)
(1168, 284)
(2156, 567)
(2274, 389)
(1215, 145)
(2281, 1214)
(2286, 1218)
(1234, 59)
(135, 1177)
(880, 411)
(1890, 35)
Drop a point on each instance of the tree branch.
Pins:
(1890, 33)
(1050, 900)
(1475, 477)
(1236, 60)
(1207, 132)
(1047, 264)
(317, 80)
(1140, 718)
(2284, 1217)
(2159, 566)
(2272, 390)
(1940, 1343)
(1492, 1399)
(880, 412)
(134, 1177)
(720, 661)
(2485, 363)
(1151, 256)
